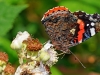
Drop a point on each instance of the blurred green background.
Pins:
(25, 15)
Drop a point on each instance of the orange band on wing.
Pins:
(55, 9)
(81, 31)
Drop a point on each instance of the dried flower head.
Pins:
(3, 57)
(9, 69)
(26, 72)
(32, 44)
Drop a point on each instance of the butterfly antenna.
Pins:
(77, 58)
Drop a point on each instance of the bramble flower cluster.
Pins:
(5, 67)
(34, 57)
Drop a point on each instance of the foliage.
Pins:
(21, 15)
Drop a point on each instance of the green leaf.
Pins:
(8, 13)
(78, 5)
(55, 71)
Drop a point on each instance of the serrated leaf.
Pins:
(7, 15)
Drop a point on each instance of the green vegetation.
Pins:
(26, 15)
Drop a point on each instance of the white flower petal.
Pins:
(20, 37)
(47, 45)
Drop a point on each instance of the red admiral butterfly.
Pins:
(67, 29)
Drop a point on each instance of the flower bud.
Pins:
(49, 55)
(44, 56)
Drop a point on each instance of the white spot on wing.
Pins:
(72, 31)
(92, 24)
(42, 19)
(80, 41)
(77, 11)
(92, 19)
(92, 31)
(48, 45)
(87, 14)
(87, 24)
(82, 11)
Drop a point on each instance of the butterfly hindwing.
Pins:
(91, 24)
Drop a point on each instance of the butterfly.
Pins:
(67, 29)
